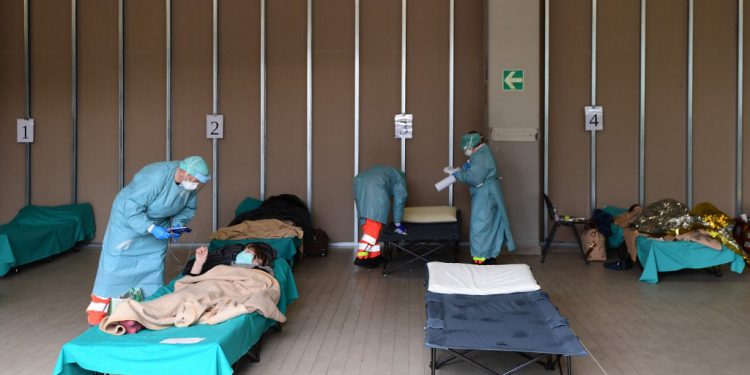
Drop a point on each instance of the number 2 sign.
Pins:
(25, 130)
(594, 117)
(215, 126)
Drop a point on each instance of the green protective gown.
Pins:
(489, 228)
(373, 190)
(131, 257)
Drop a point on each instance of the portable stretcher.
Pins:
(198, 349)
(429, 230)
(39, 232)
(493, 308)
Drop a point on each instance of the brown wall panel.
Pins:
(51, 102)
(666, 119)
(97, 108)
(470, 98)
(145, 89)
(570, 91)
(239, 100)
(333, 118)
(11, 107)
(427, 98)
(618, 69)
(746, 116)
(380, 82)
(715, 103)
(286, 92)
(192, 67)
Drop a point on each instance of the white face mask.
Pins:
(468, 152)
(189, 185)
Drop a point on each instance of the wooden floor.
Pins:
(354, 321)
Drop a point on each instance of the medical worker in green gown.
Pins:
(373, 191)
(161, 196)
(489, 227)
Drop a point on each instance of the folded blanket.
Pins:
(264, 228)
(220, 294)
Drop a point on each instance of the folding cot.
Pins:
(493, 308)
(662, 256)
(39, 232)
(198, 349)
(429, 229)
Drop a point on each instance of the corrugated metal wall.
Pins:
(145, 100)
(714, 111)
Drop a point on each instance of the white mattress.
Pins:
(429, 214)
(459, 278)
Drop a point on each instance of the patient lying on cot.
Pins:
(216, 295)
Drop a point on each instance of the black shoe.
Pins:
(369, 263)
(620, 265)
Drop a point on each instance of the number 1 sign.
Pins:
(215, 126)
(594, 118)
(25, 130)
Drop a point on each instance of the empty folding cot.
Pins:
(493, 308)
(429, 229)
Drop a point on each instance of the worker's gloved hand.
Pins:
(175, 235)
(400, 229)
(160, 233)
(449, 170)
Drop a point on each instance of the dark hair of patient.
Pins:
(263, 252)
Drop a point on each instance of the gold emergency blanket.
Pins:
(670, 217)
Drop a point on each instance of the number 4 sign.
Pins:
(25, 130)
(215, 126)
(594, 117)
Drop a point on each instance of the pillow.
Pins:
(248, 204)
(429, 214)
(471, 279)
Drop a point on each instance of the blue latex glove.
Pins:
(175, 235)
(401, 229)
(161, 233)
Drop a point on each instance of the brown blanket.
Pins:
(264, 228)
(222, 293)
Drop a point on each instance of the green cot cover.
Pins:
(663, 256)
(143, 353)
(38, 232)
(248, 204)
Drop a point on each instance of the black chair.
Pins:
(561, 221)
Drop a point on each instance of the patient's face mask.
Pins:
(245, 258)
(189, 185)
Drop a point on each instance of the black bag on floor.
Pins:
(319, 245)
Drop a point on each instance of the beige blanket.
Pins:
(265, 228)
(222, 293)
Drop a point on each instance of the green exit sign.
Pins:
(513, 80)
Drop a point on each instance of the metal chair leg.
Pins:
(549, 240)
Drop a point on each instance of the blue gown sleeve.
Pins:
(187, 213)
(474, 175)
(139, 195)
(399, 200)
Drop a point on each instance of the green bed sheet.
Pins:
(38, 232)
(663, 256)
(143, 353)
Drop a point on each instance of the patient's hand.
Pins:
(201, 254)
